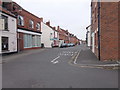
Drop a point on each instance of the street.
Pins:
(50, 68)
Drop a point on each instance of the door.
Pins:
(4, 44)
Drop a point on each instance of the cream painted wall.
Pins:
(46, 35)
(89, 37)
(11, 34)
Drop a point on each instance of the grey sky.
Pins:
(72, 15)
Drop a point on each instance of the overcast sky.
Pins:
(72, 15)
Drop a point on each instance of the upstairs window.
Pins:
(38, 26)
(31, 24)
(5, 22)
(20, 20)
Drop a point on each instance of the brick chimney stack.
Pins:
(58, 28)
(54, 28)
(41, 19)
(48, 23)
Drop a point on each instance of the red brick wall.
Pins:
(20, 41)
(109, 30)
(62, 35)
(26, 15)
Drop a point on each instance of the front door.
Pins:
(4, 44)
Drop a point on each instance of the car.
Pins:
(63, 45)
(70, 44)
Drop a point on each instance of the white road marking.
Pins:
(55, 59)
(55, 62)
(76, 58)
(71, 54)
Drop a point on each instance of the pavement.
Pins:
(11, 56)
(86, 58)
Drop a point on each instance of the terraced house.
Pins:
(8, 34)
(105, 22)
(66, 37)
(28, 27)
(50, 37)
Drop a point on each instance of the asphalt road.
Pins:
(49, 68)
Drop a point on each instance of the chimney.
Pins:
(48, 23)
(58, 28)
(54, 28)
(41, 19)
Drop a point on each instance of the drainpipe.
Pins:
(99, 30)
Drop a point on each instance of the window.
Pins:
(31, 24)
(38, 26)
(27, 41)
(20, 20)
(5, 18)
(38, 41)
(4, 43)
(32, 41)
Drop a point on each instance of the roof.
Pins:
(4, 10)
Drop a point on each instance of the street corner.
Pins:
(73, 62)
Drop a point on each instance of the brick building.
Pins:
(104, 29)
(63, 35)
(28, 27)
(67, 37)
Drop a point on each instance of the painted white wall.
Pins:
(46, 35)
(11, 34)
(89, 36)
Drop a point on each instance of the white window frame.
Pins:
(20, 20)
(31, 23)
(38, 26)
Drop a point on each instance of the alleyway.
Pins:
(50, 68)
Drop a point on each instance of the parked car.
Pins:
(70, 45)
(63, 45)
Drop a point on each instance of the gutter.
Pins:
(99, 30)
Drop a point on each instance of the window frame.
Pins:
(38, 26)
(31, 24)
(20, 20)
(5, 18)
